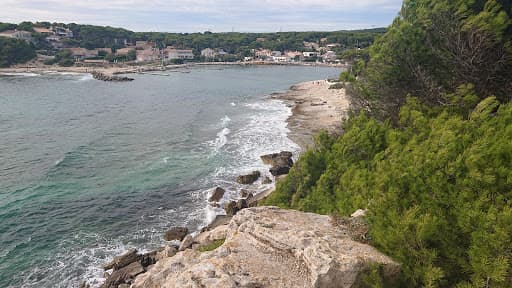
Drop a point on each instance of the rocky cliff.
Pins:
(269, 247)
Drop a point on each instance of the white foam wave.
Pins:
(225, 120)
(233, 104)
(20, 74)
(166, 159)
(221, 139)
(86, 77)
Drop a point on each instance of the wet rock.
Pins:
(244, 193)
(279, 170)
(148, 259)
(283, 158)
(111, 78)
(217, 194)
(125, 275)
(241, 204)
(267, 180)
(248, 179)
(230, 208)
(176, 233)
(280, 162)
(123, 260)
(186, 243)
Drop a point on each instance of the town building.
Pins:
(43, 30)
(148, 55)
(124, 51)
(208, 53)
(329, 56)
(310, 54)
(183, 54)
(80, 54)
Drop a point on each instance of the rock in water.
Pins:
(123, 260)
(230, 208)
(217, 194)
(267, 180)
(282, 158)
(279, 170)
(248, 179)
(271, 247)
(280, 162)
(176, 233)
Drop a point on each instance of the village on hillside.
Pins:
(59, 45)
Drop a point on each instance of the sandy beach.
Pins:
(315, 108)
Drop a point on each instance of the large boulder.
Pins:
(123, 260)
(279, 170)
(230, 208)
(278, 159)
(271, 247)
(217, 194)
(249, 178)
(280, 162)
(125, 275)
(176, 233)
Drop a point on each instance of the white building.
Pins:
(183, 54)
(310, 54)
(208, 53)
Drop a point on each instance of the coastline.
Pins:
(315, 108)
(111, 70)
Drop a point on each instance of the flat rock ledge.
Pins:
(270, 247)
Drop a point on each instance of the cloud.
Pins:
(194, 15)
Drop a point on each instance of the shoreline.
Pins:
(111, 70)
(315, 108)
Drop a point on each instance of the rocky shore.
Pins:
(259, 247)
(255, 246)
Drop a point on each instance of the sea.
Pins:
(90, 169)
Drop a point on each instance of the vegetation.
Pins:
(212, 246)
(433, 170)
(14, 51)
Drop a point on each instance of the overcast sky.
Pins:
(203, 15)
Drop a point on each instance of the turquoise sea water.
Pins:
(89, 169)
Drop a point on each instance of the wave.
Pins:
(221, 139)
(225, 120)
(20, 74)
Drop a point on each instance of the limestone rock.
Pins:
(121, 261)
(167, 251)
(217, 194)
(278, 159)
(267, 180)
(359, 213)
(176, 233)
(249, 178)
(124, 275)
(271, 247)
(186, 243)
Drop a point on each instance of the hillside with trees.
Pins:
(428, 150)
(14, 51)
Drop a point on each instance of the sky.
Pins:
(208, 15)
